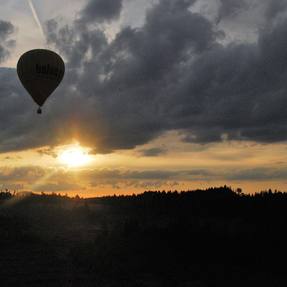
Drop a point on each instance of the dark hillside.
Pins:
(214, 237)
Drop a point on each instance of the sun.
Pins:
(74, 156)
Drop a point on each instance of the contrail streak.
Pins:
(36, 18)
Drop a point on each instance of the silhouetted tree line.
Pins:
(213, 192)
(6, 194)
(213, 237)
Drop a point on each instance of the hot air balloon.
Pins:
(40, 71)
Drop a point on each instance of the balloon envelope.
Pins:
(40, 71)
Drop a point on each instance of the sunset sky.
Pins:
(158, 94)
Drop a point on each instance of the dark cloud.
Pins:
(19, 128)
(129, 174)
(59, 180)
(170, 74)
(40, 178)
(153, 152)
(124, 81)
(57, 187)
(147, 179)
(242, 91)
(119, 179)
(12, 157)
(275, 8)
(47, 151)
(259, 174)
(230, 8)
(131, 177)
(6, 30)
(101, 10)
(27, 174)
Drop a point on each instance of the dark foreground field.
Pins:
(215, 237)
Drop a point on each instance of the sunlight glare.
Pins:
(74, 156)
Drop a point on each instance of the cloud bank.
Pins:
(6, 43)
(40, 179)
(173, 73)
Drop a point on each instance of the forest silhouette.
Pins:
(212, 237)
